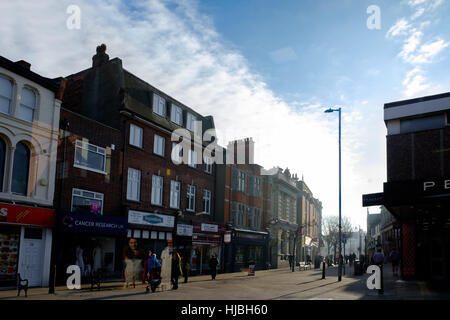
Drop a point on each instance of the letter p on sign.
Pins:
(374, 281)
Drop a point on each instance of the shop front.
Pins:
(153, 231)
(91, 241)
(207, 240)
(183, 241)
(423, 226)
(25, 244)
(248, 247)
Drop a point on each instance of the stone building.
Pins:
(29, 122)
(283, 217)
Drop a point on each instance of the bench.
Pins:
(22, 284)
(304, 265)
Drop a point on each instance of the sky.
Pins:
(262, 68)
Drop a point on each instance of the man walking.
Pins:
(213, 262)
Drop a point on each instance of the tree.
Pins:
(330, 229)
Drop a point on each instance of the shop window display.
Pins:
(9, 254)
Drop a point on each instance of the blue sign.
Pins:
(344, 240)
(91, 223)
(152, 219)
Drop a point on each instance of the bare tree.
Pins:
(330, 229)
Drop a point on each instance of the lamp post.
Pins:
(340, 235)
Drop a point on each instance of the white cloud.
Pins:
(179, 52)
(414, 83)
(401, 27)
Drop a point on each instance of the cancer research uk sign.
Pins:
(91, 223)
(150, 219)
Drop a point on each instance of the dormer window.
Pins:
(159, 105)
(176, 115)
(190, 121)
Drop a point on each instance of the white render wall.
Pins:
(41, 136)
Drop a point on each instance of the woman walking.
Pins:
(152, 271)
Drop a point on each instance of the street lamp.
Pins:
(340, 236)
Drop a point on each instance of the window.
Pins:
(192, 159)
(206, 201)
(424, 123)
(257, 218)
(6, 93)
(21, 169)
(234, 213)
(190, 121)
(134, 185)
(251, 220)
(176, 115)
(90, 157)
(2, 162)
(257, 189)
(159, 145)
(190, 198)
(177, 153)
(241, 215)
(87, 201)
(159, 105)
(136, 134)
(241, 181)
(175, 189)
(208, 165)
(27, 105)
(157, 190)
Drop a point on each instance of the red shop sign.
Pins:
(27, 215)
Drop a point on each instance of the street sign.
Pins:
(344, 240)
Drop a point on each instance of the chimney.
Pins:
(23, 64)
(100, 57)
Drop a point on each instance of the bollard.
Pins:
(323, 270)
(381, 290)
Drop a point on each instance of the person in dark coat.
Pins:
(186, 268)
(176, 270)
(213, 262)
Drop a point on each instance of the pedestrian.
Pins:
(186, 268)
(213, 262)
(395, 259)
(291, 261)
(152, 271)
(378, 258)
(132, 261)
(176, 270)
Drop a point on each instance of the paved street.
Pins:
(280, 284)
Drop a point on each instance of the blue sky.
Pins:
(262, 68)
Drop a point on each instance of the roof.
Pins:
(18, 68)
(416, 100)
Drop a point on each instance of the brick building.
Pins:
(416, 191)
(243, 205)
(163, 202)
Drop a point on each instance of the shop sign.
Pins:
(150, 219)
(91, 223)
(184, 230)
(210, 227)
(227, 237)
(27, 215)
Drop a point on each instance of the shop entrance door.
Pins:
(30, 265)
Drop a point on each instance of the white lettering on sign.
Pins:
(3, 212)
(374, 281)
(447, 184)
(74, 280)
(429, 184)
(210, 227)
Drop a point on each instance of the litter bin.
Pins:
(251, 269)
(358, 270)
